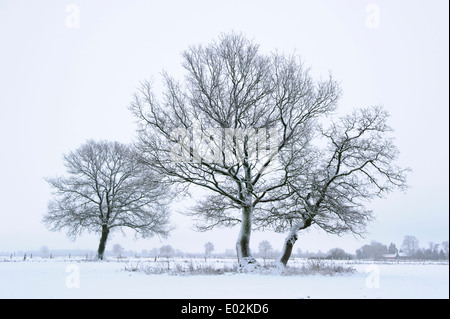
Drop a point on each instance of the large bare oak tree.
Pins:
(233, 127)
(107, 189)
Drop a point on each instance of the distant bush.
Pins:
(338, 254)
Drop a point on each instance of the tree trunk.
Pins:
(289, 244)
(102, 245)
(245, 259)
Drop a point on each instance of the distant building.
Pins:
(395, 256)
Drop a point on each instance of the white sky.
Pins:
(60, 86)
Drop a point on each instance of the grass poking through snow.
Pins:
(193, 267)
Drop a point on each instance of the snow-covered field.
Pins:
(64, 278)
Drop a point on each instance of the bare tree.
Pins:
(332, 185)
(166, 251)
(107, 189)
(118, 250)
(445, 248)
(410, 245)
(209, 248)
(225, 126)
(265, 248)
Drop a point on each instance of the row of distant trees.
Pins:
(410, 248)
(375, 250)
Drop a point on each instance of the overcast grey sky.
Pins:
(68, 69)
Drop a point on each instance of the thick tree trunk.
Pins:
(245, 259)
(243, 242)
(287, 249)
(102, 245)
(289, 244)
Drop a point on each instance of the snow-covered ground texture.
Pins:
(76, 278)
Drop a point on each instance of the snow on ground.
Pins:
(63, 278)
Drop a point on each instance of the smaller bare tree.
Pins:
(118, 250)
(265, 248)
(209, 248)
(331, 186)
(445, 248)
(107, 189)
(410, 245)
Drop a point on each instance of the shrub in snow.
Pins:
(324, 267)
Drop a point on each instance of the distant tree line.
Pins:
(409, 249)
(374, 251)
